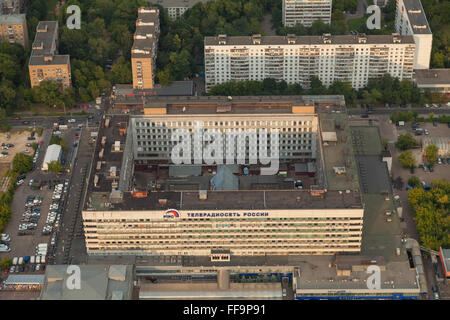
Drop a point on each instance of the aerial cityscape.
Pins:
(191, 150)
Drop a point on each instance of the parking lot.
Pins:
(35, 208)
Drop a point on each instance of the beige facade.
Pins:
(59, 73)
(243, 232)
(143, 52)
(13, 29)
(143, 72)
(45, 64)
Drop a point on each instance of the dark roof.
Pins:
(432, 76)
(416, 16)
(56, 60)
(309, 40)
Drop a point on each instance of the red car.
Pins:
(16, 118)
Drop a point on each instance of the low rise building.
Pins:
(45, 63)
(437, 80)
(13, 29)
(53, 153)
(96, 282)
(442, 143)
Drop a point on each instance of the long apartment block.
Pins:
(305, 12)
(410, 19)
(13, 29)
(45, 63)
(295, 59)
(143, 52)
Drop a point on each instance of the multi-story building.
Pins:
(176, 8)
(11, 6)
(305, 12)
(143, 52)
(410, 19)
(45, 64)
(138, 205)
(13, 28)
(354, 59)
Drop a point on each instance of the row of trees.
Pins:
(378, 91)
(431, 212)
(22, 163)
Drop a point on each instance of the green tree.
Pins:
(431, 153)
(407, 160)
(414, 182)
(406, 141)
(22, 163)
(431, 213)
(55, 166)
(5, 263)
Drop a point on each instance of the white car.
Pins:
(19, 182)
(72, 120)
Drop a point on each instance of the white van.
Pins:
(20, 260)
(32, 259)
(14, 262)
(42, 259)
(38, 259)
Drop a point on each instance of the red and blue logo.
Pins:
(172, 213)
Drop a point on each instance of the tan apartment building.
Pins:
(143, 52)
(13, 28)
(45, 64)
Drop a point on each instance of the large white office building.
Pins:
(295, 59)
(410, 19)
(305, 12)
(139, 202)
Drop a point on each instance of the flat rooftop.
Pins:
(221, 200)
(12, 18)
(46, 34)
(308, 40)
(211, 291)
(319, 276)
(55, 60)
(339, 154)
(249, 192)
(417, 17)
(432, 77)
(176, 3)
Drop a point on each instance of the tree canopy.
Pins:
(432, 213)
(431, 153)
(22, 163)
(406, 141)
(407, 160)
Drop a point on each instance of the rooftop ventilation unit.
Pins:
(256, 39)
